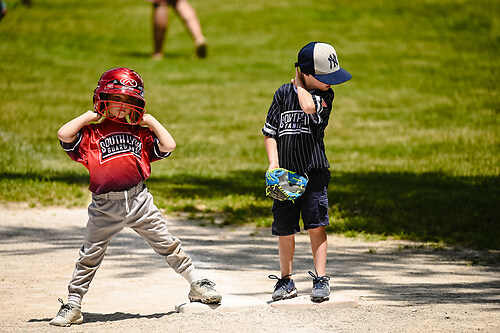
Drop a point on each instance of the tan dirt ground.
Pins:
(401, 286)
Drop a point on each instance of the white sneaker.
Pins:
(204, 291)
(68, 314)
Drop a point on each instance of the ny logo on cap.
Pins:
(333, 60)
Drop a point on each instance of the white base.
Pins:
(235, 304)
(304, 302)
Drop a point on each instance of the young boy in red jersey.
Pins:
(118, 152)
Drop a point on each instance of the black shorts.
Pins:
(312, 205)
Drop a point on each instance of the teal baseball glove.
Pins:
(282, 184)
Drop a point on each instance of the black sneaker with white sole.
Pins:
(321, 288)
(284, 288)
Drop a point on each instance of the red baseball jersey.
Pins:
(118, 156)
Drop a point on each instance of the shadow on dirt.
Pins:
(351, 268)
(110, 317)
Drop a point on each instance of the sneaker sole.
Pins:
(208, 300)
(291, 295)
(76, 322)
(319, 299)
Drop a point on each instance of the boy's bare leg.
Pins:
(160, 24)
(286, 250)
(319, 249)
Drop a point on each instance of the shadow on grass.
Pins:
(428, 207)
(70, 178)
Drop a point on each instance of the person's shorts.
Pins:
(312, 205)
(168, 2)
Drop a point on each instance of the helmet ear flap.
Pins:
(98, 103)
(96, 100)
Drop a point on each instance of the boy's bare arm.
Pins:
(67, 133)
(305, 98)
(167, 142)
(272, 152)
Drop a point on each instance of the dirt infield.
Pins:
(400, 286)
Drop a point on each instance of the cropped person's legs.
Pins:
(188, 15)
(160, 25)
(190, 18)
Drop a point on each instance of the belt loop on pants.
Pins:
(126, 202)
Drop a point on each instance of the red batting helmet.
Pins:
(123, 81)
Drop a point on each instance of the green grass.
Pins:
(413, 140)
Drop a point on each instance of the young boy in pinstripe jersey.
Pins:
(294, 132)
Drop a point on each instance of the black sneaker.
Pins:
(201, 50)
(321, 288)
(284, 288)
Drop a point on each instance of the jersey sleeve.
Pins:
(151, 145)
(323, 105)
(78, 150)
(271, 126)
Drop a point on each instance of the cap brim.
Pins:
(336, 77)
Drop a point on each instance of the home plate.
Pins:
(304, 302)
(228, 304)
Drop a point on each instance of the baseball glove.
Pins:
(282, 184)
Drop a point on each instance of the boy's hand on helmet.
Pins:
(146, 119)
(92, 116)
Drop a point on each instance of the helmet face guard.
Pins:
(124, 112)
(121, 81)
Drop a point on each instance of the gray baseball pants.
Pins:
(109, 213)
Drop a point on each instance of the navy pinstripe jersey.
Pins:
(299, 135)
